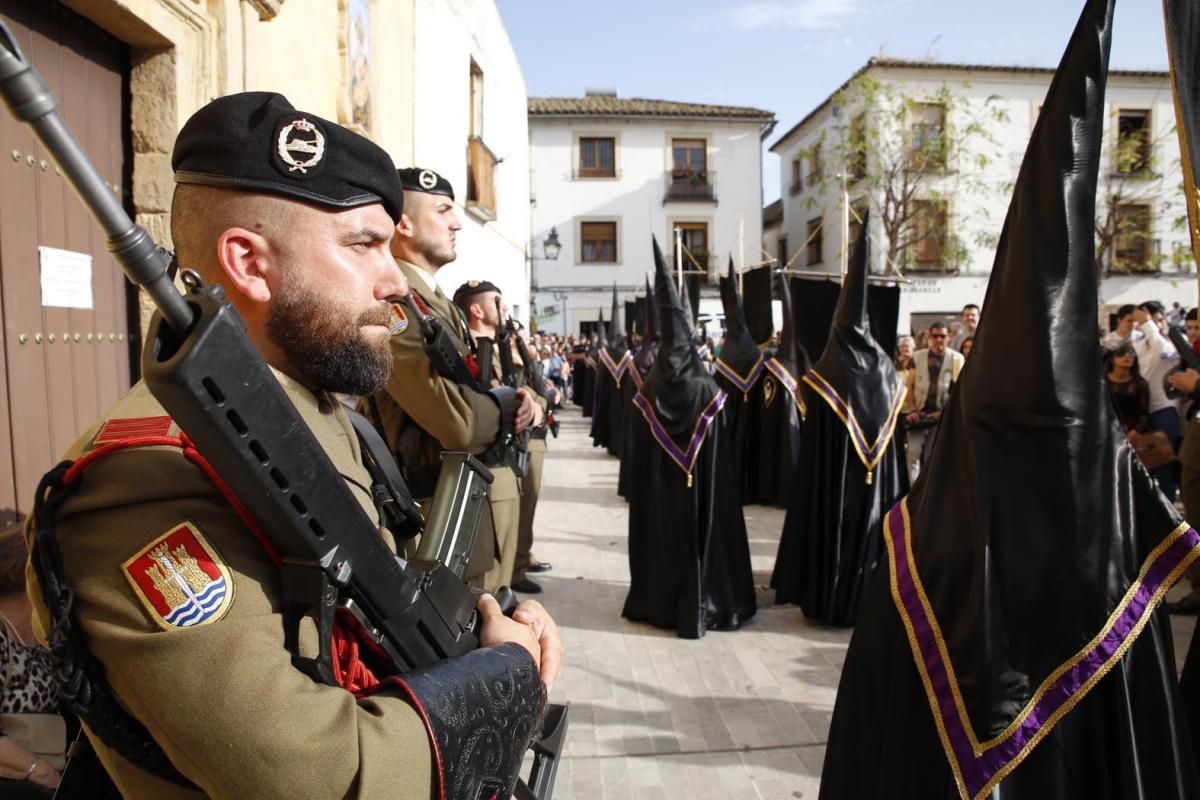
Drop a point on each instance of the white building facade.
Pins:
(963, 206)
(469, 123)
(609, 173)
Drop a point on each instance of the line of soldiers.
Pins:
(422, 413)
(162, 597)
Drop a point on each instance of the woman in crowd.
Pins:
(966, 346)
(904, 365)
(32, 734)
(1129, 390)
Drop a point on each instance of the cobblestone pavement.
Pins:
(737, 715)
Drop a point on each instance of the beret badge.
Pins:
(300, 145)
(427, 179)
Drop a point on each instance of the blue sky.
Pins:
(787, 56)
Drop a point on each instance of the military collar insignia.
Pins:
(180, 579)
(427, 179)
(399, 323)
(300, 145)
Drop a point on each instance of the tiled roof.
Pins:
(939, 66)
(773, 213)
(608, 106)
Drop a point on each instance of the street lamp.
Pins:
(552, 246)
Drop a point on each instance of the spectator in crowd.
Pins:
(904, 365)
(935, 369)
(1156, 358)
(921, 341)
(1191, 325)
(966, 345)
(33, 737)
(1124, 331)
(970, 321)
(1129, 390)
(1175, 315)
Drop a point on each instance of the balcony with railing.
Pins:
(690, 185)
(481, 180)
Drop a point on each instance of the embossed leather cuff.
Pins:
(481, 711)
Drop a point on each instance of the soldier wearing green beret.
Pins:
(177, 600)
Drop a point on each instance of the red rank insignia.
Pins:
(119, 430)
(180, 579)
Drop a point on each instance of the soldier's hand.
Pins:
(529, 413)
(534, 614)
(495, 628)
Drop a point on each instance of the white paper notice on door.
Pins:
(66, 278)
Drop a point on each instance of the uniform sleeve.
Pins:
(457, 416)
(221, 696)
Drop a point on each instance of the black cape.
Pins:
(689, 559)
(643, 361)
(781, 415)
(1012, 647)
(850, 472)
(738, 369)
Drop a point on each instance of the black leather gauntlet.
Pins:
(481, 711)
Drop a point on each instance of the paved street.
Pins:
(734, 715)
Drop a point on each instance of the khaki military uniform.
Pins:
(456, 418)
(220, 696)
(531, 485)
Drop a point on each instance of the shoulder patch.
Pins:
(399, 320)
(120, 430)
(180, 579)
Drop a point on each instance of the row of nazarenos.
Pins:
(1014, 646)
(1011, 644)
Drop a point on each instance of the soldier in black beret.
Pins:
(423, 413)
(292, 216)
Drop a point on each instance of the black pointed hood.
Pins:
(601, 331)
(616, 337)
(854, 375)
(740, 360)
(756, 304)
(1040, 543)
(1183, 40)
(790, 353)
(648, 349)
(679, 397)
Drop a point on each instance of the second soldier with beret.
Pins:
(423, 413)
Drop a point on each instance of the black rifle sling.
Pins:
(396, 506)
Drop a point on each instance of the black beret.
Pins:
(256, 141)
(416, 179)
(474, 287)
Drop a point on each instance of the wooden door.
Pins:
(62, 367)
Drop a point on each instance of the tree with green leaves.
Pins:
(908, 156)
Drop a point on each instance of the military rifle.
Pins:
(537, 375)
(203, 369)
(513, 379)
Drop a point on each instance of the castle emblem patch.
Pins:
(180, 579)
(399, 322)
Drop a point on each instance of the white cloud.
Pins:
(808, 14)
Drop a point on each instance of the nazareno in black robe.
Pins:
(1012, 646)
(689, 559)
(643, 361)
(850, 472)
(781, 414)
(737, 370)
(583, 378)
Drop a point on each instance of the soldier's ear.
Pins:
(245, 261)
